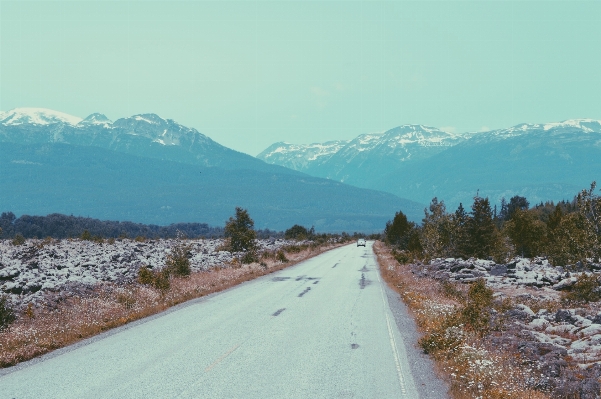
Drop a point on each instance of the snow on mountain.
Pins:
(299, 156)
(543, 161)
(401, 143)
(585, 126)
(145, 135)
(96, 119)
(37, 116)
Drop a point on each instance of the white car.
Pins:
(360, 242)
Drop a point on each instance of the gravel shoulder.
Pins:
(427, 383)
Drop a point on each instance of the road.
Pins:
(321, 329)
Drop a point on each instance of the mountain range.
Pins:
(551, 161)
(148, 169)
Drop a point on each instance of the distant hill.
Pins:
(41, 179)
(542, 162)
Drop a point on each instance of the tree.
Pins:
(437, 230)
(460, 238)
(239, 230)
(576, 236)
(298, 232)
(570, 241)
(526, 232)
(516, 202)
(397, 231)
(481, 229)
(7, 220)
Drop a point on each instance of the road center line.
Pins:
(226, 354)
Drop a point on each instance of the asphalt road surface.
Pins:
(321, 329)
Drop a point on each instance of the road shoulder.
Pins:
(427, 383)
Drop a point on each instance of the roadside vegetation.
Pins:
(472, 331)
(30, 331)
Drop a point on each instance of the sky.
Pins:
(249, 74)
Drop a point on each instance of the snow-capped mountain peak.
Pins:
(96, 119)
(37, 116)
(587, 125)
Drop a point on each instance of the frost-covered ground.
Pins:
(29, 272)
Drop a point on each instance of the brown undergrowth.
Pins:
(40, 331)
(450, 318)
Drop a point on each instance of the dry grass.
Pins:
(39, 331)
(472, 369)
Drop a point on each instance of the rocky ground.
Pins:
(39, 269)
(560, 340)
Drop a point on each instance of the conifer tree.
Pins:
(240, 231)
(398, 231)
(526, 232)
(481, 229)
(437, 230)
(460, 238)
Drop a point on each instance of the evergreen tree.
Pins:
(526, 232)
(437, 230)
(297, 232)
(516, 202)
(481, 229)
(239, 230)
(504, 213)
(460, 238)
(398, 231)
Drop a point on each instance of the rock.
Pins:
(561, 329)
(565, 283)
(539, 324)
(498, 270)
(591, 330)
(564, 316)
(518, 313)
(525, 309)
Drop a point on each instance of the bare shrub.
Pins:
(18, 240)
(281, 256)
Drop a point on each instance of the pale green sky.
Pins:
(250, 73)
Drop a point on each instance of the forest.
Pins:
(60, 226)
(567, 232)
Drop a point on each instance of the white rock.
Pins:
(525, 309)
(539, 324)
(562, 328)
(593, 329)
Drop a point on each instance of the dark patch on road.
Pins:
(354, 346)
(363, 282)
(277, 313)
(365, 269)
(299, 278)
(304, 292)
(335, 265)
(312, 278)
(280, 278)
(315, 282)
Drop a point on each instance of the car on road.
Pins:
(360, 242)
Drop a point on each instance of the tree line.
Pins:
(61, 226)
(568, 232)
